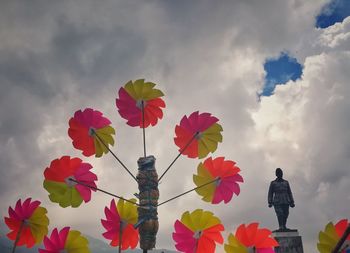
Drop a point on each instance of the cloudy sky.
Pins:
(57, 57)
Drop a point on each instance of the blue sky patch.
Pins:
(279, 71)
(333, 12)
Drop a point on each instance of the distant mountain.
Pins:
(6, 246)
(96, 246)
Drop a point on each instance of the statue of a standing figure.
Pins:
(281, 198)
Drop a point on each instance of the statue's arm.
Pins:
(290, 196)
(270, 195)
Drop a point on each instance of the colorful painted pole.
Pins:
(147, 179)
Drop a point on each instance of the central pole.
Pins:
(147, 179)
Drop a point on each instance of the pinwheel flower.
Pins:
(138, 95)
(198, 134)
(91, 132)
(121, 218)
(29, 220)
(329, 238)
(58, 181)
(197, 232)
(66, 240)
(227, 177)
(251, 237)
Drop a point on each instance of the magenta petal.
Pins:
(84, 192)
(18, 209)
(78, 116)
(50, 245)
(25, 207)
(193, 121)
(198, 122)
(183, 237)
(55, 238)
(237, 178)
(90, 118)
(223, 192)
(109, 214)
(13, 214)
(134, 121)
(110, 234)
(109, 225)
(63, 237)
(127, 108)
(83, 168)
(86, 177)
(217, 198)
(236, 189)
(32, 206)
(84, 173)
(184, 123)
(113, 208)
(184, 247)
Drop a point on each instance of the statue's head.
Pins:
(279, 173)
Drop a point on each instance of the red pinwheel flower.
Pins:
(198, 232)
(121, 218)
(329, 238)
(29, 220)
(138, 95)
(64, 191)
(251, 237)
(91, 132)
(66, 240)
(227, 177)
(204, 129)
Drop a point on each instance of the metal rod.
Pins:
(342, 240)
(180, 153)
(180, 195)
(120, 236)
(195, 246)
(106, 192)
(18, 236)
(115, 156)
(143, 127)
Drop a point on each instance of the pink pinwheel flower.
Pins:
(226, 174)
(205, 129)
(66, 240)
(29, 220)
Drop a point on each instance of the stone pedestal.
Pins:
(290, 242)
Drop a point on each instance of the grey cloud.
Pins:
(205, 56)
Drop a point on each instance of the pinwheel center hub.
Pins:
(69, 181)
(218, 181)
(63, 251)
(197, 234)
(25, 222)
(123, 224)
(198, 135)
(92, 131)
(140, 102)
(251, 250)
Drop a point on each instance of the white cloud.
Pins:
(206, 56)
(337, 35)
(303, 126)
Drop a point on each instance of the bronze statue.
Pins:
(281, 198)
